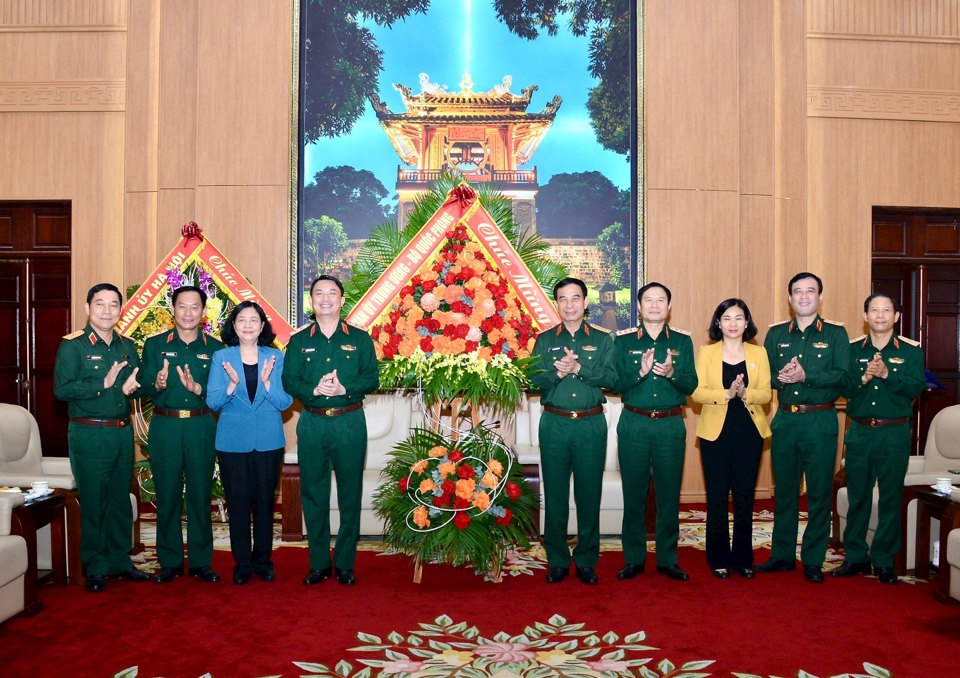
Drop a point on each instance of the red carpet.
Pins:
(773, 625)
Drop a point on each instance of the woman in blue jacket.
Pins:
(245, 388)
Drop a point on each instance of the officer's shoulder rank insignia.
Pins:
(598, 328)
(858, 339)
(833, 322)
(74, 335)
(679, 331)
(629, 330)
(912, 342)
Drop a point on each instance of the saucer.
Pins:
(36, 494)
(936, 488)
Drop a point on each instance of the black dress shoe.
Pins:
(886, 575)
(133, 574)
(241, 578)
(851, 569)
(629, 571)
(673, 572)
(267, 574)
(774, 565)
(745, 572)
(205, 573)
(813, 574)
(317, 576)
(167, 574)
(346, 577)
(557, 574)
(96, 583)
(587, 575)
(721, 573)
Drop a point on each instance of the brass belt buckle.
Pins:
(573, 415)
(330, 411)
(183, 414)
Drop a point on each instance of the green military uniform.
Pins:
(181, 446)
(101, 444)
(805, 432)
(331, 433)
(573, 438)
(651, 436)
(878, 444)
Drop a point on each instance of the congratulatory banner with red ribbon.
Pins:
(194, 261)
(461, 206)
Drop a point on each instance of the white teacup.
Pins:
(944, 485)
(41, 486)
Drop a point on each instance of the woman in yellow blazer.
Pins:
(734, 384)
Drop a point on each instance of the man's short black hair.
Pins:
(801, 276)
(100, 287)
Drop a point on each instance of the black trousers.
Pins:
(730, 466)
(250, 483)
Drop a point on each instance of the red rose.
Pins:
(389, 328)
(389, 351)
(461, 503)
(471, 346)
(404, 484)
(449, 278)
(513, 491)
(466, 472)
(375, 333)
(462, 520)
(449, 487)
(506, 518)
(426, 344)
(428, 285)
(455, 455)
(442, 501)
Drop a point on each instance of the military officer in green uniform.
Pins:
(96, 373)
(809, 360)
(655, 373)
(176, 364)
(886, 375)
(577, 363)
(330, 367)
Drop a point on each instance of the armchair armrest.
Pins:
(8, 502)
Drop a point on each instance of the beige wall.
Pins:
(773, 127)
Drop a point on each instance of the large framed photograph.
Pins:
(541, 99)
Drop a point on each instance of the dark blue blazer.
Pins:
(244, 426)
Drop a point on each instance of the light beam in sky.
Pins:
(468, 33)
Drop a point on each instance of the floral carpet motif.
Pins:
(552, 648)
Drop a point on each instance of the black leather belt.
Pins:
(655, 414)
(182, 414)
(332, 411)
(574, 414)
(111, 423)
(879, 423)
(800, 409)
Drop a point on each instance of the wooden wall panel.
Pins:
(789, 97)
(142, 120)
(756, 101)
(175, 207)
(692, 94)
(178, 148)
(63, 14)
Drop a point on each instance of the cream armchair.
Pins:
(21, 461)
(953, 560)
(941, 454)
(13, 559)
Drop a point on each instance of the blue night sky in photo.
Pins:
(465, 35)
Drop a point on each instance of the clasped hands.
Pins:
(648, 364)
(875, 368)
(568, 364)
(186, 378)
(129, 386)
(737, 389)
(792, 372)
(329, 385)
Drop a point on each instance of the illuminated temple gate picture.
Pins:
(544, 110)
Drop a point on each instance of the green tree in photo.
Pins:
(614, 245)
(323, 240)
(580, 205)
(355, 198)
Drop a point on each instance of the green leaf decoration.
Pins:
(877, 671)
(313, 667)
(130, 672)
(697, 665)
(343, 668)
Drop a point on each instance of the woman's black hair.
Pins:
(228, 334)
(749, 332)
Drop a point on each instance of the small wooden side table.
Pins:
(61, 511)
(932, 504)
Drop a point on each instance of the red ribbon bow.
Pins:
(463, 195)
(192, 229)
